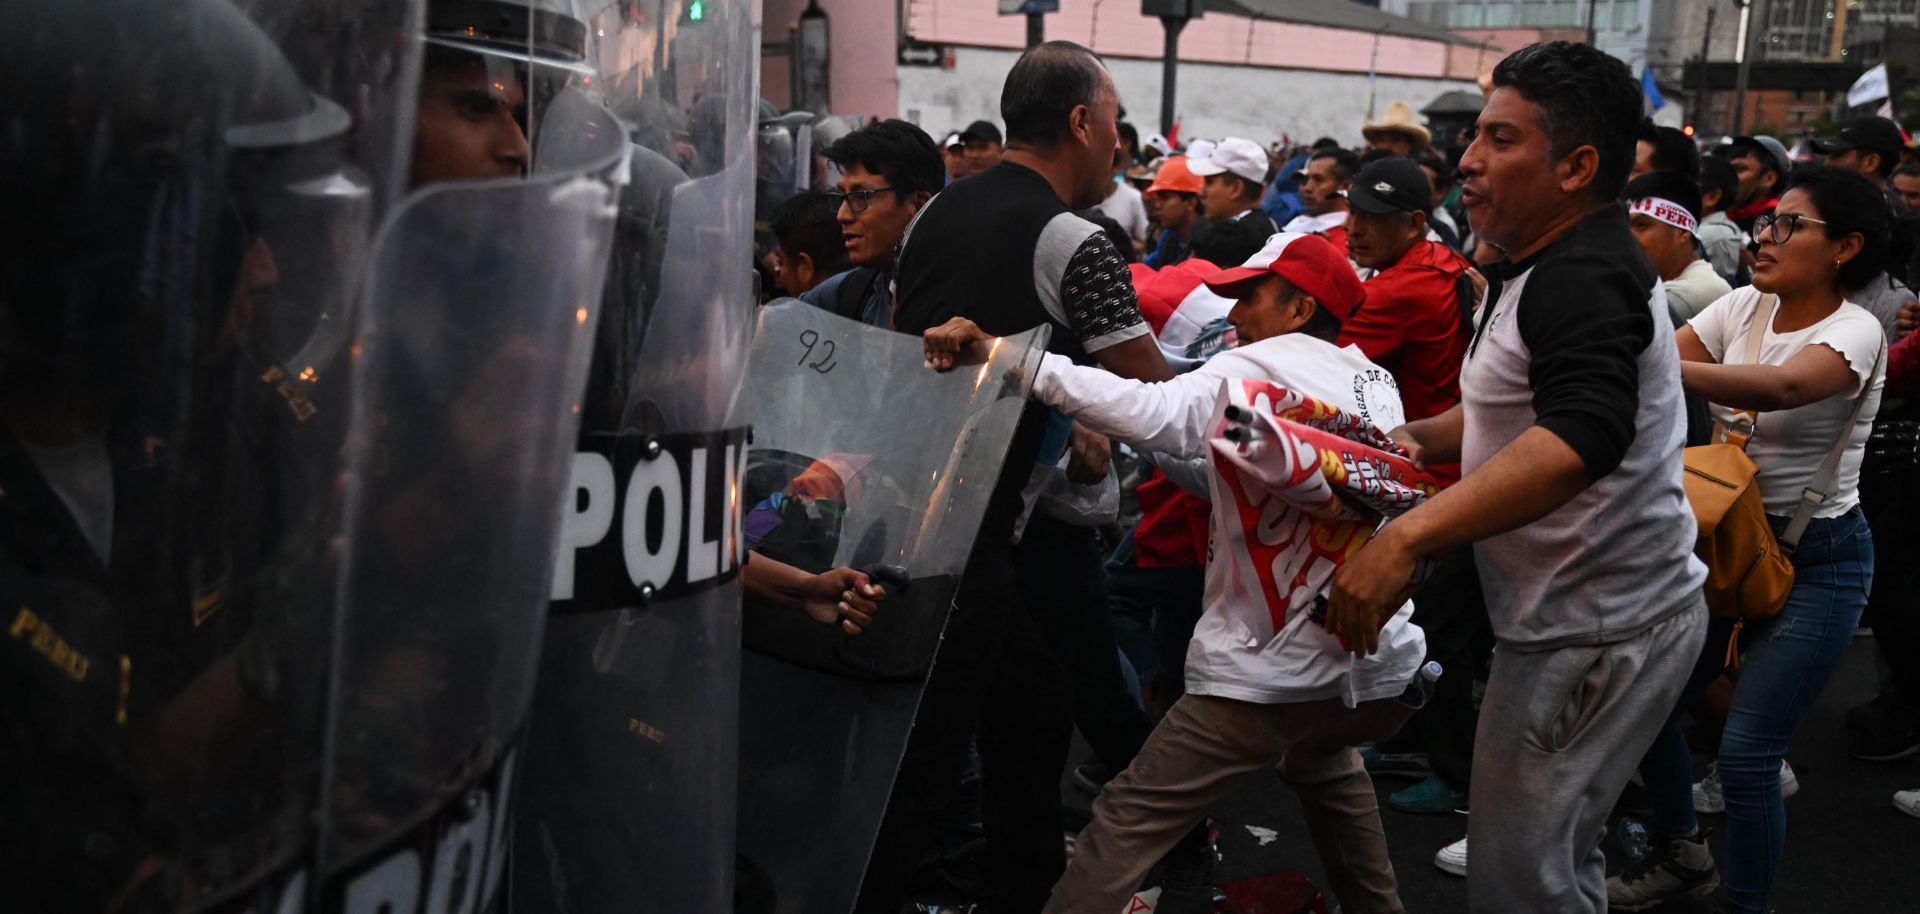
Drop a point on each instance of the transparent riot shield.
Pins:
(192, 188)
(627, 796)
(862, 456)
(480, 318)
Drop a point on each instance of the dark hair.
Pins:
(1249, 189)
(1130, 136)
(1325, 142)
(1889, 160)
(1910, 170)
(1115, 233)
(1043, 88)
(1376, 154)
(1345, 161)
(1443, 174)
(1850, 204)
(1673, 150)
(1717, 173)
(803, 224)
(1322, 325)
(1227, 243)
(1763, 156)
(1667, 185)
(1586, 98)
(896, 150)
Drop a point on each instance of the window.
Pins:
(1626, 14)
(1500, 16)
(1465, 16)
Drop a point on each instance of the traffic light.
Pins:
(696, 10)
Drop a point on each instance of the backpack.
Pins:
(850, 300)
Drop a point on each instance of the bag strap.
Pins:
(1816, 491)
(1764, 306)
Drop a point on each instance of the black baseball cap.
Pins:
(981, 130)
(1391, 185)
(1874, 134)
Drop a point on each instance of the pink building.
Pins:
(1243, 72)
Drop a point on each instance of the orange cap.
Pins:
(1174, 175)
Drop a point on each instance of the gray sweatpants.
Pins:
(1561, 730)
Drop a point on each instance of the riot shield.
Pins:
(189, 208)
(861, 456)
(626, 801)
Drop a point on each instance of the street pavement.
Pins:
(1848, 849)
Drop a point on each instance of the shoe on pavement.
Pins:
(1433, 795)
(1908, 801)
(1411, 764)
(1894, 736)
(1452, 859)
(1678, 868)
(1708, 797)
(1091, 777)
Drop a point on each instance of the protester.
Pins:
(1663, 208)
(1664, 149)
(953, 152)
(1416, 323)
(1397, 133)
(984, 146)
(887, 173)
(1124, 206)
(1762, 165)
(808, 245)
(1323, 195)
(1176, 204)
(1440, 179)
(1816, 382)
(1906, 183)
(1234, 176)
(1282, 198)
(1871, 146)
(1258, 692)
(1720, 239)
(1569, 436)
(1420, 299)
(1004, 250)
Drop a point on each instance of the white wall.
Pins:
(1259, 103)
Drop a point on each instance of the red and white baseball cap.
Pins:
(1234, 156)
(1309, 263)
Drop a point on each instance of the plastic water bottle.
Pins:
(1420, 690)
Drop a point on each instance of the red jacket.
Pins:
(1412, 325)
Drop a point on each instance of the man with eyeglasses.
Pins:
(887, 173)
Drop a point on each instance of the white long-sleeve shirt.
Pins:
(1235, 651)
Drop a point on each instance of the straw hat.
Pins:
(1398, 119)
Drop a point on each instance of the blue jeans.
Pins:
(1154, 612)
(1786, 662)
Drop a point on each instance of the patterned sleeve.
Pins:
(1097, 294)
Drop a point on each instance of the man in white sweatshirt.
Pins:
(1255, 695)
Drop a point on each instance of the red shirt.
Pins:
(1411, 324)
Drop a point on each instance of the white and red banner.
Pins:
(1299, 486)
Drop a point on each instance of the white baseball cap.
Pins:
(1159, 144)
(1235, 156)
(1198, 150)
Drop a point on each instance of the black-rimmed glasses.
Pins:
(857, 200)
(1771, 223)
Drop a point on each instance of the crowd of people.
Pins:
(1560, 306)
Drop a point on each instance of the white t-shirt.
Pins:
(1694, 289)
(1789, 445)
(1235, 652)
(1125, 207)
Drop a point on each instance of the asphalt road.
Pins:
(1848, 849)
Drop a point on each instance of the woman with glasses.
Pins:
(1815, 380)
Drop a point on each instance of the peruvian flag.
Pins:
(1188, 320)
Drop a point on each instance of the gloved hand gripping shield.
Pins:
(861, 456)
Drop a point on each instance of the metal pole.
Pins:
(1169, 65)
(1743, 58)
(1372, 72)
(1036, 29)
(1706, 48)
(1591, 4)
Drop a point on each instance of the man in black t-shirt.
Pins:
(1004, 250)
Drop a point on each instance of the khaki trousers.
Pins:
(1196, 757)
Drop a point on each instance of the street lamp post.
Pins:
(1173, 15)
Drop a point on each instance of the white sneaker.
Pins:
(1908, 801)
(1707, 796)
(1452, 859)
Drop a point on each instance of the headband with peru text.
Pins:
(1665, 211)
